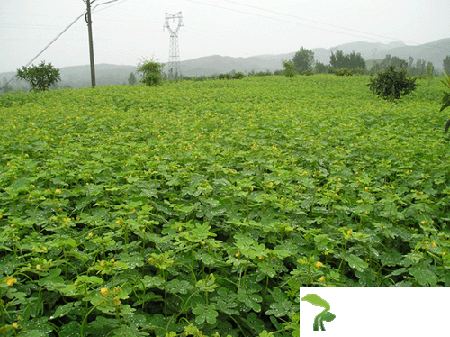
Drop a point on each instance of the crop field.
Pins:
(200, 208)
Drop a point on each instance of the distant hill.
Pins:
(108, 74)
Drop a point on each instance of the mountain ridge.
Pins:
(79, 76)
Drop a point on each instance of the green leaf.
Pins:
(205, 313)
(356, 262)
(424, 276)
(316, 300)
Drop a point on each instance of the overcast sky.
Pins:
(128, 30)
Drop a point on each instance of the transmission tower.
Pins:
(173, 67)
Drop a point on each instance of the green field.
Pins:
(204, 206)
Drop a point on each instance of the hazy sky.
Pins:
(128, 30)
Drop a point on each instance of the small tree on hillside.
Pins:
(132, 79)
(151, 72)
(289, 68)
(41, 77)
(350, 61)
(446, 65)
(303, 60)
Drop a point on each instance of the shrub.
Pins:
(392, 84)
(40, 78)
(446, 98)
(289, 68)
(308, 72)
(344, 72)
(239, 75)
(151, 72)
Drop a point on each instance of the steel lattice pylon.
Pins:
(173, 66)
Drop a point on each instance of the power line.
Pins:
(302, 24)
(309, 20)
(279, 20)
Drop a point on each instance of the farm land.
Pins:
(200, 208)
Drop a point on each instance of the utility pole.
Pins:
(88, 20)
(173, 69)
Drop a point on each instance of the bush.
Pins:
(239, 75)
(40, 78)
(446, 98)
(392, 84)
(151, 72)
(289, 68)
(344, 72)
(308, 72)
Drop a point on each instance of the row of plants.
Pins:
(199, 209)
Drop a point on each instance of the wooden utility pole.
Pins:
(91, 41)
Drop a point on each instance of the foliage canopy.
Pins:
(39, 77)
(303, 60)
(151, 72)
(392, 84)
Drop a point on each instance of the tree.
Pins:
(355, 60)
(337, 61)
(151, 72)
(132, 79)
(303, 60)
(289, 68)
(446, 64)
(391, 84)
(239, 75)
(393, 61)
(350, 61)
(6, 87)
(320, 68)
(40, 78)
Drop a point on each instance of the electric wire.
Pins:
(61, 33)
(329, 24)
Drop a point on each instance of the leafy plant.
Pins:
(343, 72)
(392, 84)
(239, 75)
(134, 213)
(324, 315)
(289, 68)
(151, 72)
(39, 77)
(446, 97)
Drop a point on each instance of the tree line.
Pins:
(303, 63)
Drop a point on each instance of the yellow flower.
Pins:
(38, 267)
(15, 326)
(116, 302)
(58, 191)
(102, 263)
(151, 260)
(104, 291)
(349, 232)
(180, 229)
(433, 244)
(322, 279)
(271, 184)
(318, 264)
(261, 257)
(90, 235)
(10, 281)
